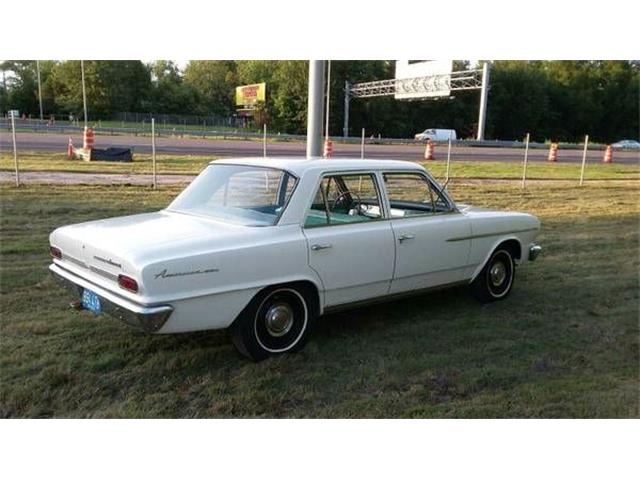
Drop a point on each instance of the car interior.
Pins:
(354, 198)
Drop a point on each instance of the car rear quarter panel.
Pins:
(229, 277)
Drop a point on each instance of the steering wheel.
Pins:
(355, 200)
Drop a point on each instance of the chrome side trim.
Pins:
(103, 273)
(492, 234)
(391, 297)
(78, 262)
(111, 276)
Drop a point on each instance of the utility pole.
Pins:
(39, 88)
(484, 93)
(153, 152)
(347, 97)
(326, 122)
(84, 93)
(314, 108)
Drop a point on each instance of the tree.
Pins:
(215, 81)
(169, 92)
(20, 85)
(111, 86)
(518, 101)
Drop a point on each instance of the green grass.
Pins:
(193, 164)
(564, 344)
(535, 170)
(58, 162)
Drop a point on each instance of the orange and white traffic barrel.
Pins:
(553, 153)
(88, 139)
(328, 148)
(428, 152)
(608, 155)
(70, 148)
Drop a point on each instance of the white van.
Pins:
(436, 135)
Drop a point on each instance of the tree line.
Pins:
(553, 100)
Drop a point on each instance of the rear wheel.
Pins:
(277, 320)
(495, 280)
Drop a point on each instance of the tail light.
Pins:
(55, 252)
(128, 283)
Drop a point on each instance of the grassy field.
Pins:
(192, 164)
(564, 344)
(58, 162)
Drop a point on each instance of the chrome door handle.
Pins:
(320, 246)
(406, 236)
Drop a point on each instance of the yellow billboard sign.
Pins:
(248, 95)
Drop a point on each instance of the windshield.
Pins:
(248, 195)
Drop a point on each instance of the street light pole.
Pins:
(314, 108)
(484, 93)
(84, 93)
(39, 88)
(345, 125)
(326, 132)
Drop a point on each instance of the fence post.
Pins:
(15, 148)
(362, 145)
(153, 150)
(526, 155)
(448, 159)
(264, 140)
(584, 159)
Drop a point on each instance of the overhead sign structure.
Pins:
(423, 79)
(248, 95)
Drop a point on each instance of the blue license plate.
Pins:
(91, 301)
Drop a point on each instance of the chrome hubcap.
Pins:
(279, 319)
(497, 274)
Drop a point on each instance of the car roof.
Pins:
(300, 165)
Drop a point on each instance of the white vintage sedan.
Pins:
(265, 246)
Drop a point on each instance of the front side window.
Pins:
(252, 196)
(344, 199)
(411, 194)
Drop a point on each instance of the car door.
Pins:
(350, 242)
(432, 237)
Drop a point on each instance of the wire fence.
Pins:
(208, 128)
(449, 173)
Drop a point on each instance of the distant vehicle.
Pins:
(627, 145)
(436, 135)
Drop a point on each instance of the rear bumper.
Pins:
(149, 319)
(534, 251)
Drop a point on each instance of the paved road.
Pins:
(239, 148)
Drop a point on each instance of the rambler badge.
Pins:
(109, 261)
(165, 274)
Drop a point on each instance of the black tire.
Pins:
(278, 320)
(495, 280)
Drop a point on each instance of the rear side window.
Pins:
(411, 194)
(344, 199)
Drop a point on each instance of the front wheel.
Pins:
(277, 320)
(495, 280)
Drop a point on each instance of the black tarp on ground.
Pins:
(112, 154)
